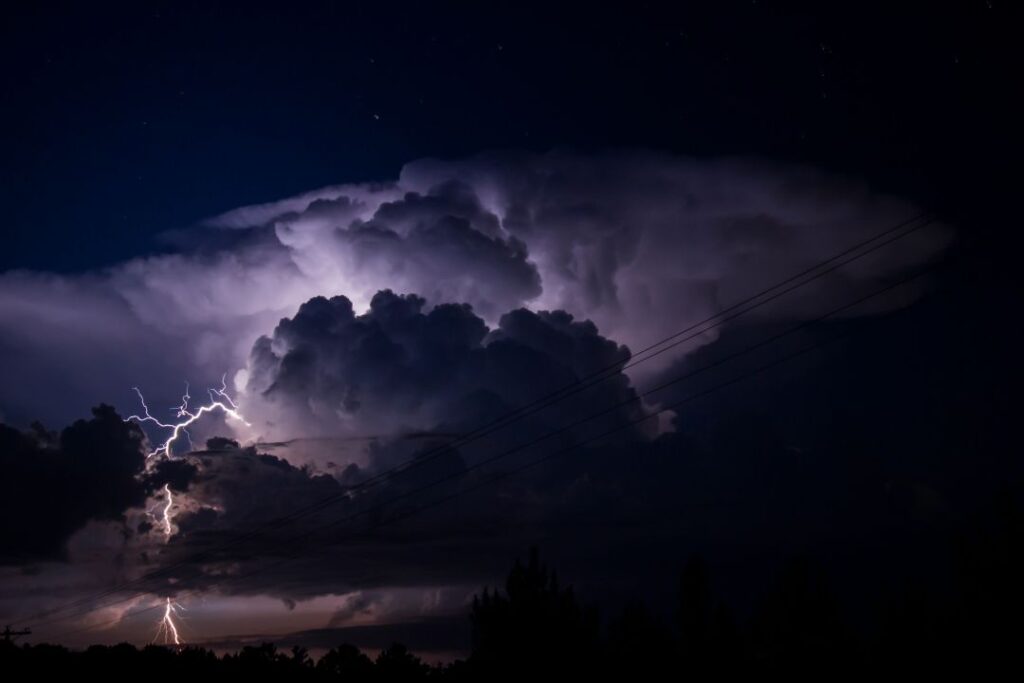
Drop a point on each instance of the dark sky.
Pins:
(633, 165)
(121, 121)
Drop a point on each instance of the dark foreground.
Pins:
(535, 627)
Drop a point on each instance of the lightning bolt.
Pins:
(161, 515)
(167, 511)
(166, 628)
(219, 400)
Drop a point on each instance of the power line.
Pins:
(534, 463)
(10, 635)
(619, 428)
(104, 624)
(735, 310)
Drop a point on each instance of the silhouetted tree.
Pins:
(694, 612)
(708, 637)
(911, 634)
(345, 662)
(537, 627)
(798, 630)
(990, 564)
(300, 660)
(396, 663)
(639, 644)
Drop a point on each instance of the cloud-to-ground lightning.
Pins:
(165, 517)
(166, 628)
(219, 400)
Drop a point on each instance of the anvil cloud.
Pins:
(640, 243)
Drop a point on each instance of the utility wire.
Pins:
(573, 447)
(735, 310)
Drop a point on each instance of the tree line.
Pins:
(536, 626)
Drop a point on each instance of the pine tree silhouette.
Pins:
(535, 627)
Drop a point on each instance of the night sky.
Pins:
(385, 227)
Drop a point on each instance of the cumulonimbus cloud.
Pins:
(436, 302)
(640, 243)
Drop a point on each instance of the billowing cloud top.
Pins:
(640, 243)
(398, 369)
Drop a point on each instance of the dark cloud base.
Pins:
(53, 484)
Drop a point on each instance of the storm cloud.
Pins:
(442, 371)
(640, 243)
(365, 326)
(401, 369)
(53, 484)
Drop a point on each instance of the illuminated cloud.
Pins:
(640, 243)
